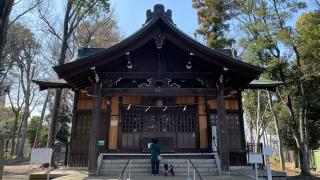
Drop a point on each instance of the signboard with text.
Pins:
(255, 158)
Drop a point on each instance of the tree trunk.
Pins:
(295, 158)
(258, 136)
(6, 149)
(303, 150)
(61, 61)
(288, 155)
(13, 140)
(24, 127)
(54, 119)
(39, 127)
(251, 131)
(276, 124)
(5, 10)
(18, 137)
(1, 156)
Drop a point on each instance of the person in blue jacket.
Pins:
(154, 156)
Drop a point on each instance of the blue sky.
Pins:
(131, 14)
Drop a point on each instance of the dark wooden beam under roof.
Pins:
(106, 92)
(59, 83)
(170, 75)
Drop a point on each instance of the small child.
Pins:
(168, 169)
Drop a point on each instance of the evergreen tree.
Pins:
(213, 17)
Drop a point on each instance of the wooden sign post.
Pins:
(267, 152)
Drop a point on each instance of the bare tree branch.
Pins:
(25, 12)
(51, 28)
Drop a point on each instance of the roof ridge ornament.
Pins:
(159, 40)
(158, 11)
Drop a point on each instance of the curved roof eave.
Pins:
(212, 51)
(92, 58)
(129, 41)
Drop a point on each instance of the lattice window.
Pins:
(171, 121)
(185, 122)
(132, 123)
(83, 125)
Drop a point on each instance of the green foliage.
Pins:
(212, 18)
(6, 122)
(32, 129)
(267, 40)
(250, 106)
(308, 41)
(64, 119)
(89, 7)
(308, 29)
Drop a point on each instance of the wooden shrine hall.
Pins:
(157, 83)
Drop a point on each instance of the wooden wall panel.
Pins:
(115, 106)
(85, 102)
(213, 104)
(185, 100)
(203, 125)
(114, 119)
(230, 104)
(132, 99)
(83, 94)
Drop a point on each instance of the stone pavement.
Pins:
(81, 174)
(223, 177)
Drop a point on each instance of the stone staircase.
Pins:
(206, 167)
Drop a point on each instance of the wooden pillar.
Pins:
(222, 126)
(203, 125)
(114, 120)
(94, 129)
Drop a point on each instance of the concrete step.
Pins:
(179, 170)
(143, 166)
(175, 161)
(161, 177)
(147, 165)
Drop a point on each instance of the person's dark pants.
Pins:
(155, 166)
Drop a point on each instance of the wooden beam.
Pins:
(170, 75)
(222, 126)
(94, 129)
(158, 92)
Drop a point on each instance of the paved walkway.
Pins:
(173, 178)
(68, 174)
(72, 174)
